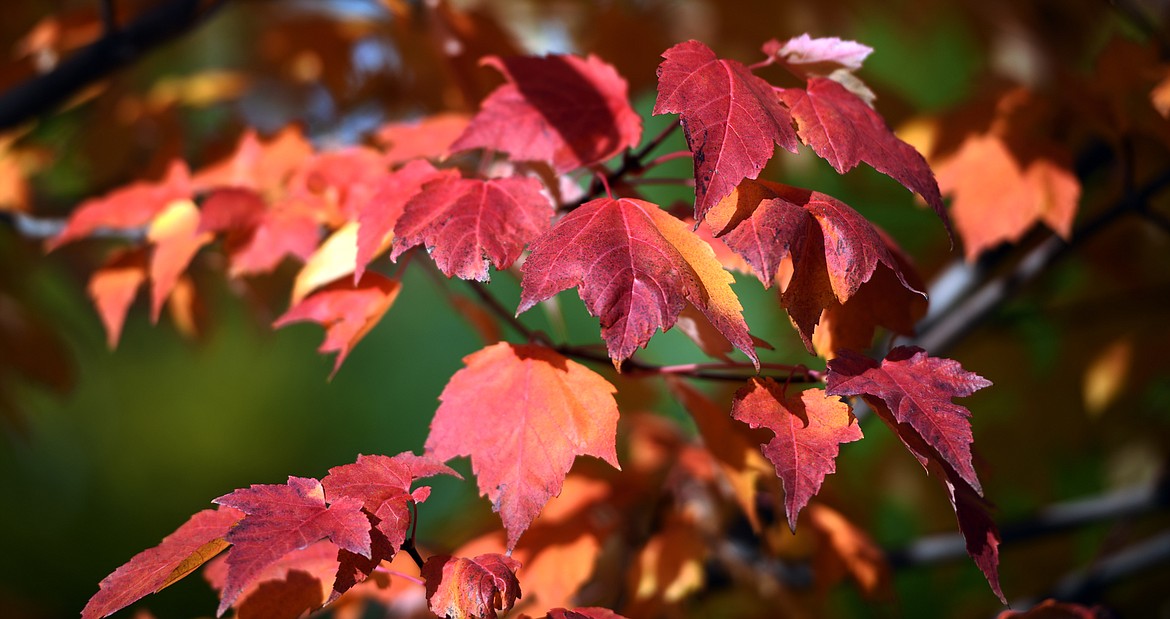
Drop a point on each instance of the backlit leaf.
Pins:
(459, 588)
(180, 553)
(635, 267)
(466, 222)
(833, 249)
(133, 206)
(282, 518)
(809, 427)
(565, 110)
(732, 119)
(844, 131)
(347, 311)
(523, 414)
(113, 288)
(376, 219)
(918, 390)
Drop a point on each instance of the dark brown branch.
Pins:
(116, 49)
(1056, 518)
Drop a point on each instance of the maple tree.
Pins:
(525, 175)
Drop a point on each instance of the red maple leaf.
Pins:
(459, 588)
(430, 137)
(918, 389)
(347, 311)
(113, 288)
(150, 571)
(130, 207)
(176, 237)
(465, 222)
(523, 414)
(300, 581)
(806, 52)
(636, 266)
(383, 484)
(376, 218)
(809, 427)
(282, 518)
(732, 119)
(911, 393)
(258, 235)
(844, 131)
(568, 111)
(834, 250)
(261, 165)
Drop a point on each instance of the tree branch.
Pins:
(117, 48)
(1056, 518)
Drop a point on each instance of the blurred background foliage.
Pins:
(105, 452)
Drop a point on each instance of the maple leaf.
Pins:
(258, 235)
(459, 588)
(568, 111)
(429, 137)
(845, 549)
(282, 518)
(834, 250)
(297, 582)
(635, 267)
(808, 427)
(383, 484)
(260, 165)
(911, 393)
(465, 222)
(152, 570)
(998, 196)
(844, 131)
(732, 119)
(347, 311)
(335, 185)
(881, 301)
(130, 207)
(535, 412)
(113, 288)
(918, 389)
(176, 237)
(376, 219)
(804, 51)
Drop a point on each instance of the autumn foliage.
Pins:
(542, 184)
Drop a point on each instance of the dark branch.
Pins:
(118, 48)
(1053, 519)
(965, 314)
